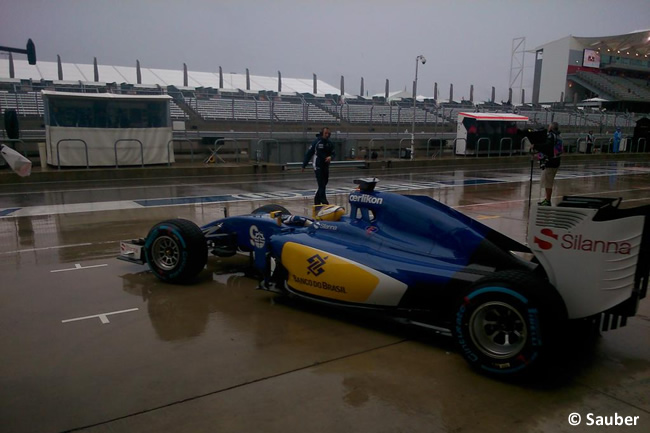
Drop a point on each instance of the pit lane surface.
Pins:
(94, 344)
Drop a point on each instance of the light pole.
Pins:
(418, 59)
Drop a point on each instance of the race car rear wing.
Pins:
(610, 247)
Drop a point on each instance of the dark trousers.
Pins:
(322, 177)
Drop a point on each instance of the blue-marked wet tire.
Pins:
(176, 251)
(507, 323)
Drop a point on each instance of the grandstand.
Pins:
(26, 104)
(612, 87)
(232, 108)
(215, 103)
(615, 69)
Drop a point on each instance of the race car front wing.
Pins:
(132, 251)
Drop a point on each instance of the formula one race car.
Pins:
(417, 260)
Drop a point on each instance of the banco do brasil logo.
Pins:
(316, 263)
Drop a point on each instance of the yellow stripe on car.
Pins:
(326, 275)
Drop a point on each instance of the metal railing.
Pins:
(170, 145)
(579, 140)
(267, 157)
(129, 139)
(501, 145)
(399, 148)
(370, 148)
(456, 143)
(478, 146)
(441, 147)
(58, 155)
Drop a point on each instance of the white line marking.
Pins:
(74, 208)
(56, 247)
(131, 204)
(30, 250)
(609, 193)
(77, 267)
(103, 317)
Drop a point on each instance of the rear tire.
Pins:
(507, 324)
(176, 250)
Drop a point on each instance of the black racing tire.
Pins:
(508, 323)
(268, 208)
(176, 251)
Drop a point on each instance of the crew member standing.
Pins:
(549, 160)
(590, 141)
(320, 154)
(618, 135)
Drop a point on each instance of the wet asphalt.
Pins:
(93, 344)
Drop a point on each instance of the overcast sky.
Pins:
(465, 42)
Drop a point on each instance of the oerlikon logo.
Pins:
(545, 244)
(579, 242)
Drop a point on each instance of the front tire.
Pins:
(176, 250)
(507, 323)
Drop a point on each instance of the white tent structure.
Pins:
(593, 102)
(75, 73)
(402, 94)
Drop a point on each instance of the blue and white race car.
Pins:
(417, 260)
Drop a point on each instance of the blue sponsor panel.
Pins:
(6, 212)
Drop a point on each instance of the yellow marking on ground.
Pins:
(487, 217)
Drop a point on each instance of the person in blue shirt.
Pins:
(617, 140)
(320, 154)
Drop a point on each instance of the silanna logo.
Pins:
(316, 264)
(545, 245)
(581, 243)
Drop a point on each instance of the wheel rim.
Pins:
(498, 330)
(165, 253)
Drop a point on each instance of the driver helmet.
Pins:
(329, 212)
